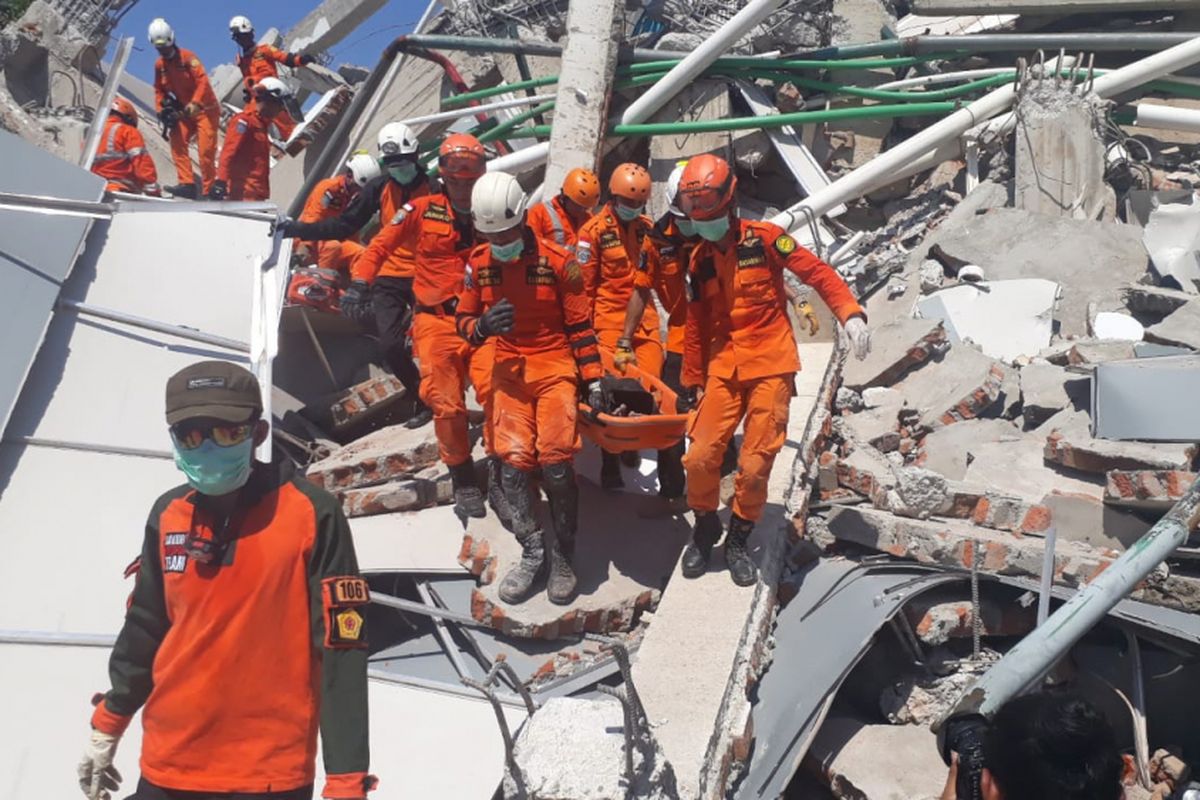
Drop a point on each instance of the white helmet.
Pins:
(673, 189)
(363, 168)
(397, 139)
(274, 87)
(240, 24)
(498, 203)
(161, 34)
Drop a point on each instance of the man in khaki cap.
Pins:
(245, 629)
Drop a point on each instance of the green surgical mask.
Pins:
(713, 230)
(403, 173)
(214, 470)
(686, 226)
(508, 252)
(628, 214)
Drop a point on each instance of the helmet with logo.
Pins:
(461, 156)
(706, 188)
(272, 87)
(240, 24)
(363, 168)
(160, 33)
(630, 181)
(396, 139)
(582, 187)
(498, 203)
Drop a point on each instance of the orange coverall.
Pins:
(262, 63)
(740, 348)
(122, 159)
(609, 252)
(184, 76)
(538, 364)
(549, 220)
(330, 198)
(440, 240)
(663, 268)
(245, 163)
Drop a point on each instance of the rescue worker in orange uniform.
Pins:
(740, 354)
(609, 251)
(258, 61)
(178, 74)
(438, 231)
(387, 301)
(121, 158)
(662, 269)
(560, 218)
(244, 172)
(244, 633)
(526, 294)
(330, 198)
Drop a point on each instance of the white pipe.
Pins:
(499, 105)
(944, 77)
(1166, 118)
(1148, 69)
(518, 161)
(699, 60)
(92, 143)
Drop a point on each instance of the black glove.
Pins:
(219, 190)
(688, 400)
(497, 319)
(284, 226)
(356, 300)
(246, 95)
(595, 394)
(306, 59)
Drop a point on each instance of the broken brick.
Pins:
(389, 453)
(1152, 490)
(900, 345)
(1070, 444)
(962, 386)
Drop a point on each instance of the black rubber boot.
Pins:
(422, 416)
(671, 480)
(610, 471)
(495, 493)
(468, 499)
(183, 191)
(631, 459)
(699, 550)
(563, 493)
(518, 582)
(741, 568)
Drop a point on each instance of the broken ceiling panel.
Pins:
(1147, 399)
(1172, 237)
(1006, 319)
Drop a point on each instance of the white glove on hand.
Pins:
(97, 775)
(860, 337)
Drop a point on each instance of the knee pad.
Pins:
(559, 475)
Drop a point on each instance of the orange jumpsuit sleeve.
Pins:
(160, 83)
(200, 77)
(283, 57)
(470, 306)
(402, 229)
(320, 199)
(816, 273)
(577, 320)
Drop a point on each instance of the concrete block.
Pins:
(937, 619)
(877, 762)
(372, 396)
(948, 450)
(1059, 152)
(1017, 467)
(1080, 518)
(898, 346)
(1181, 327)
(1147, 490)
(1047, 389)
(962, 386)
(1070, 444)
(1097, 352)
(430, 487)
(389, 453)
(917, 700)
(878, 427)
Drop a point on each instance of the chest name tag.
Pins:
(539, 274)
(751, 256)
(437, 214)
(488, 276)
(609, 240)
(175, 556)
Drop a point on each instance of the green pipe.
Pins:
(505, 128)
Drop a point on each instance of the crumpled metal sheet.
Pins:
(1172, 238)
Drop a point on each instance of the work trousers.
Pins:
(148, 791)
(340, 256)
(534, 422)
(764, 403)
(393, 301)
(203, 128)
(447, 363)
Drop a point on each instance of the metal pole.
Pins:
(106, 97)
(466, 111)
(1002, 43)
(443, 635)
(428, 611)
(1048, 545)
(151, 325)
(58, 638)
(1029, 660)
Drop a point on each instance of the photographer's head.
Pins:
(1051, 747)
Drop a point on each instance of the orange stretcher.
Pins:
(646, 432)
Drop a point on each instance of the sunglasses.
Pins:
(223, 434)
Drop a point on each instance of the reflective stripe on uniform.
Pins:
(116, 155)
(559, 237)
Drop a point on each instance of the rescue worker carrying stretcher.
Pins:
(180, 77)
(526, 294)
(560, 218)
(437, 230)
(609, 251)
(387, 301)
(258, 61)
(740, 355)
(244, 633)
(244, 172)
(330, 198)
(121, 158)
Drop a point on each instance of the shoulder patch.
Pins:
(583, 252)
(785, 244)
(574, 273)
(194, 63)
(242, 127)
(400, 214)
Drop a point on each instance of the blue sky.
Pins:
(202, 26)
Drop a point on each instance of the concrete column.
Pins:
(584, 84)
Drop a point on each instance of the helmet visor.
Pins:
(461, 164)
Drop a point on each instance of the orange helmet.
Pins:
(461, 156)
(581, 186)
(706, 187)
(125, 109)
(630, 181)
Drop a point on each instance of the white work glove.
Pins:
(860, 337)
(98, 778)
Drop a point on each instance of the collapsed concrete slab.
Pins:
(876, 762)
(1181, 327)
(1070, 444)
(950, 450)
(897, 347)
(429, 487)
(1147, 490)
(1081, 518)
(962, 386)
(1018, 467)
(878, 426)
(1154, 299)
(1005, 319)
(1047, 389)
(391, 452)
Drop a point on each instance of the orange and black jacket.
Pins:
(381, 195)
(261, 63)
(238, 662)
